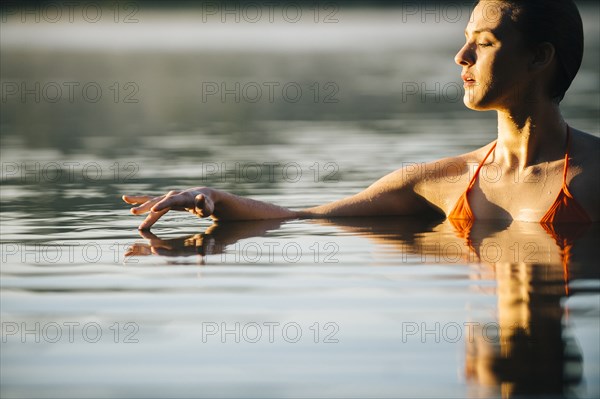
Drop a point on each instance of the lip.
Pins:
(468, 79)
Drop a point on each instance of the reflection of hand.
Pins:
(197, 244)
(213, 241)
(199, 200)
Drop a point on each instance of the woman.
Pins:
(519, 59)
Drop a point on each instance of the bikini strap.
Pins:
(566, 167)
(472, 182)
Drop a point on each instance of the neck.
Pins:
(530, 136)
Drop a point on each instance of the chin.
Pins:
(477, 104)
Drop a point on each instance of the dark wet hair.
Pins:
(557, 22)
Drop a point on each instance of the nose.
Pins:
(465, 56)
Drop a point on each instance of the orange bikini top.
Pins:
(564, 209)
(558, 221)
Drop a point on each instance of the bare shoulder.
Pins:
(433, 181)
(443, 181)
(454, 167)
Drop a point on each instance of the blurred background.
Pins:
(75, 72)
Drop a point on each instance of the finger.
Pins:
(203, 206)
(148, 235)
(136, 199)
(138, 250)
(146, 206)
(151, 237)
(151, 219)
(176, 201)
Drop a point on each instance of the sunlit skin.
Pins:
(519, 181)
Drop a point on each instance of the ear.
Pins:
(543, 55)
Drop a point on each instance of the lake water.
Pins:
(353, 308)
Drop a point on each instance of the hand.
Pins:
(199, 200)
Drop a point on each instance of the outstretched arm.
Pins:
(205, 202)
(393, 194)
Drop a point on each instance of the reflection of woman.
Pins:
(428, 241)
(527, 352)
(524, 348)
(519, 59)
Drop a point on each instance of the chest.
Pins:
(517, 195)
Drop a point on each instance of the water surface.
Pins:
(369, 307)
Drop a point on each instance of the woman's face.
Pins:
(494, 60)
